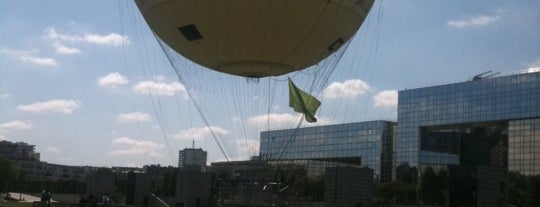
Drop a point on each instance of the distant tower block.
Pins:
(191, 157)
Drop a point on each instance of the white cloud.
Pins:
(58, 105)
(112, 79)
(249, 145)
(51, 33)
(536, 63)
(131, 165)
(133, 117)
(17, 53)
(160, 78)
(534, 67)
(29, 57)
(160, 88)
(38, 60)
(128, 146)
(2, 136)
(53, 150)
(473, 21)
(67, 160)
(61, 49)
(346, 89)
(320, 121)
(17, 125)
(276, 120)
(111, 39)
(388, 98)
(200, 133)
(282, 121)
(54, 154)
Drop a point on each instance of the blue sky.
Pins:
(88, 83)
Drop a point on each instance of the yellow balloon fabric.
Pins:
(255, 38)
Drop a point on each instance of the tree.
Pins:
(388, 192)
(432, 186)
(395, 191)
(311, 187)
(524, 190)
(120, 182)
(104, 171)
(8, 173)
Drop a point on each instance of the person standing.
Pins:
(105, 200)
(82, 201)
(44, 198)
(48, 199)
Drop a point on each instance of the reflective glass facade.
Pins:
(363, 144)
(524, 146)
(493, 121)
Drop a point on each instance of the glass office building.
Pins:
(363, 144)
(485, 121)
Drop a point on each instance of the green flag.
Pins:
(302, 102)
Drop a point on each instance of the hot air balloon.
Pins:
(270, 41)
(255, 38)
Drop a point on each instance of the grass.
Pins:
(15, 204)
(19, 204)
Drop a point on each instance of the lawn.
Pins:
(15, 204)
(20, 204)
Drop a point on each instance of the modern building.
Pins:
(485, 121)
(255, 170)
(481, 134)
(193, 188)
(256, 183)
(158, 170)
(99, 183)
(25, 157)
(362, 144)
(192, 157)
(18, 151)
(138, 189)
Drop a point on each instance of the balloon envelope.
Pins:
(255, 38)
